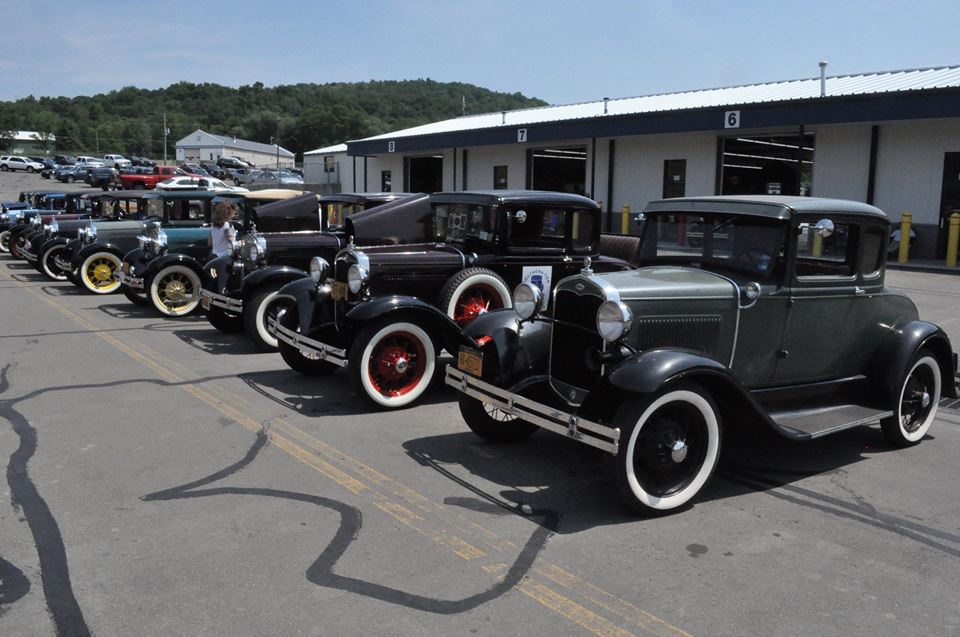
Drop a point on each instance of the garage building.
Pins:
(889, 138)
(203, 146)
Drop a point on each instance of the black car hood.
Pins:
(407, 220)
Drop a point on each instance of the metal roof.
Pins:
(328, 150)
(777, 206)
(788, 90)
(238, 144)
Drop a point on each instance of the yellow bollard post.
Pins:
(905, 221)
(952, 238)
(817, 249)
(625, 219)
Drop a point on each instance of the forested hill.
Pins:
(130, 121)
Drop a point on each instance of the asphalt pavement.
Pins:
(162, 478)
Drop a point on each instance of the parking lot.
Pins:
(163, 478)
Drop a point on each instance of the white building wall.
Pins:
(482, 159)
(841, 161)
(910, 167)
(638, 167)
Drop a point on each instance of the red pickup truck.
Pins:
(148, 182)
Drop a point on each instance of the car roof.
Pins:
(771, 206)
(360, 197)
(180, 194)
(497, 197)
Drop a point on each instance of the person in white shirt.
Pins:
(222, 235)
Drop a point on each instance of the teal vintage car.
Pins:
(776, 317)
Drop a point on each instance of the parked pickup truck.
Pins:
(148, 182)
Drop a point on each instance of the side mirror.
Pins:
(824, 228)
(520, 216)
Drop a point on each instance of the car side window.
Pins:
(537, 227)
(825, 256)
(873, 252)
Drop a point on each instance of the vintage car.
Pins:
(261, 265)
(102, 247)
(490, 241)
(80, 205)
(166, 267)
(778, 318)
(31, 221)
(53, 251)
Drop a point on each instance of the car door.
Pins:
(824, 304)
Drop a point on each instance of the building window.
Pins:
(385, 181)
(499, 177)
(674, 178)
(329, 164)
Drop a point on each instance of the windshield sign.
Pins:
(459, 222)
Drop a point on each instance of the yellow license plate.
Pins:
(470, 361)
(338, 291)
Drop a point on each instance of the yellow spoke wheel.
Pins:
(97, 272)
(175, 290)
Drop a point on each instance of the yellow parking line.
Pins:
(540, 592)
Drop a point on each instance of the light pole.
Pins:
(278, 152)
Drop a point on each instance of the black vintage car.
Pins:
(47, 206)
(490, 241)
(265, 263)
(39, 245)
(778, 317)
(167, 266)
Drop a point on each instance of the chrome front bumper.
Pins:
(228, 303)
(310, 347)
(544, 416)
(66, 266)
(133, 282)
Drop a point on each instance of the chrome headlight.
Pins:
(4, 217)
(318, 269)
(613, 320)
(36, 221)
(54, 227)
(527, 300)
(161, 240)
(356, 276)
(255, 247)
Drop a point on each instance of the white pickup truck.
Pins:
(116, 161)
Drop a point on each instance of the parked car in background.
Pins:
(197, 183)
(116, 161)
(103, 177)
(148, 182)
(142, 161)
(18, 162)
(215, 171)
(64, 160)
(86, 159)
(281, 178)
(233, 162)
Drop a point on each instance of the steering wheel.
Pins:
(760, 260)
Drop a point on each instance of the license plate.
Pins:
(124, 267)
(470, 361)
(338, 291)
(205, 302)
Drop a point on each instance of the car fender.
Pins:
(46, 245)
(442, 328)
(166, 260)
(271, 275)
(647, 372)
(512, 351)
(304, 292)
(214, 264)
(86, 251)
(897, 349)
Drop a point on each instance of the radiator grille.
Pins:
(574, 334)
(699, 333)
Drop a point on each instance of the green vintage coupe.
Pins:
(776, 315)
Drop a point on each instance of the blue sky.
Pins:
(559, 51)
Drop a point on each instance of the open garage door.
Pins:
(767, 165)
(424, 174)
(559, 169)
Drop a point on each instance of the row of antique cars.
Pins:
(720, 314)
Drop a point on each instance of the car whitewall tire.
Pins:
(96, 272)
(49, 267)
(175, 290)
(393, 362)
(917, 402)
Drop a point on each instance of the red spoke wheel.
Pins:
(393, 362)
(472, 292)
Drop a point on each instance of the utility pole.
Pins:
(96, 135)
(166, 131)
(278, 152)
(463, 104)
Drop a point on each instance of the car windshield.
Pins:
(755, 245)
(337, 212)
(460, 222)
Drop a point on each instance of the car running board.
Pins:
(807, 424)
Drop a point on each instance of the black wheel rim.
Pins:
(670, 449)
(917, 400)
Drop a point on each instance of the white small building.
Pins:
(328, 170)
(30, 141)
(203, 146)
